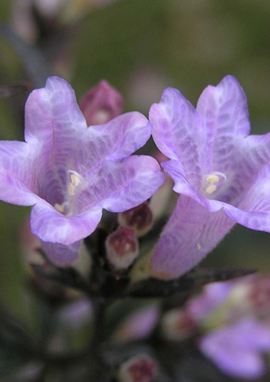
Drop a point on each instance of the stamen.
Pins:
(213, 182)
(60, 207)
(74, 181)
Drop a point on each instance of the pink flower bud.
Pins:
(139, 218)
(141, 368)
(101, 103)
(122, 248)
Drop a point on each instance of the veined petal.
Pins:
(174, 121)
(53, 110)
(60, 254)
(131, 182)
(181, 184)
(254, 210)
(54, 121)
(114, 140)
(224, 116)
(190, 234)
(49, 225)
(249, 156)
(17, 173)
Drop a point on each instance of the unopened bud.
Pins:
(122, 248)
(177, 325)
(101, 103)
(259, 294)
(139, 218)
(141, 368)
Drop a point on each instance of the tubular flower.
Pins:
(69, 172)
(221, 172)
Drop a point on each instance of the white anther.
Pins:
(212, 178)
(211, 189)
(74, 180)
(213, 182)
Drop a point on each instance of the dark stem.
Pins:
(98, 370)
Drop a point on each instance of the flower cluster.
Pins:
(70, 171)
(78, 167)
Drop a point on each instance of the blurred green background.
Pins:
(142, 46)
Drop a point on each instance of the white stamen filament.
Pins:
(74, 181)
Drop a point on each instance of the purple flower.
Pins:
(222, 174)
(69, 172)
(237, 349)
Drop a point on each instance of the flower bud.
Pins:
(101, 103)
(76, 314)
(139, 218)
(177, 325)
(138, 325)
(122, 248)
(141, 368)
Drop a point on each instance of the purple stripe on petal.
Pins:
(174, 121)
(191, 232)
(132, 181)
(52, 110)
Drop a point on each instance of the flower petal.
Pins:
(53, 110)
(61, 255)
(114, 140)
(174, 122)
(131, 182)
(49, 225)
(17, 173)
(181, 184)
(224, 115)
(191, 233)
(254, 210)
